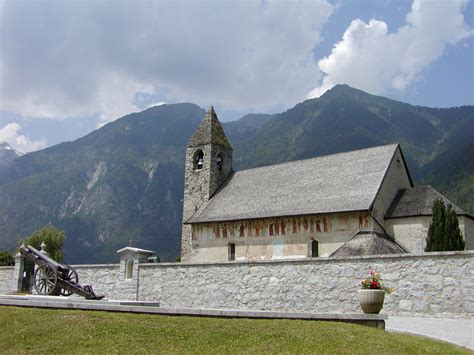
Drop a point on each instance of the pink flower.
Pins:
(371, 272)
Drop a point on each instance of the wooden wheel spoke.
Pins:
(46, 279)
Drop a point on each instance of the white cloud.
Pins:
(19, 142)
(159, 103)
(92, 57)
(372, 59)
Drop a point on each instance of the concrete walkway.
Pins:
(459, 331)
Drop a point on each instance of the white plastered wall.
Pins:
(273, 239)
(466, 225)
(411, 232)
(396, 179)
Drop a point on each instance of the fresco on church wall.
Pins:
(279, 226)
(275, 238)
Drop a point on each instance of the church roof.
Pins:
(368, 243)
(418, 201)
(210, 131)
(334, 183)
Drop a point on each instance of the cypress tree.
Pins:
(455, 240)
(444, 233)
(435, 231)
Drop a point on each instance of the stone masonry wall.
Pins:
(200, 185)
(6, 279)
(439, 284)
(105, 279)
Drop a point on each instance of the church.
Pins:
(348, 204)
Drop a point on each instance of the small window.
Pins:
(314, 249)
(231, 252)
(219, 162)
(198, 160)
(129, 269)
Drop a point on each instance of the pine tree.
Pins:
(443, 232)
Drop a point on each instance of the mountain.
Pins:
(7, 154)
(438, 143)
(125, 180)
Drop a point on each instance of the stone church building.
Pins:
(356, 203)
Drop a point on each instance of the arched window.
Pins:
(219, 162)
(231, 252)
(129, 269)
(314, 249)
(198, 160)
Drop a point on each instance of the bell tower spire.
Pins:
(208, 165)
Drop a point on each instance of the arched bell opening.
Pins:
(198, 160)
(219, 162)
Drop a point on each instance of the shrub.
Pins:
(52, 237)
(6, 259)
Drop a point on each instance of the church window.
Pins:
(129, 269)
(198, 160)
(231, 252)
(219, 162)
(314, 249)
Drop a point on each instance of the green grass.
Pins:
(29, 330)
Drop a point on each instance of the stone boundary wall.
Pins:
(6, 279)
(435, 284)
(105, 280)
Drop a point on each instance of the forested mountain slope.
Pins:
(125, 180)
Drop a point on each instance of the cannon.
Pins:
(53, 278)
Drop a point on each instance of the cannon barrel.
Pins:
(39, 258)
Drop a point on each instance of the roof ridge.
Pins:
(444, 198)
(425, 195)
(321, 157)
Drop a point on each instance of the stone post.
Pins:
(43, 248)
(18, 273)
(129, 278)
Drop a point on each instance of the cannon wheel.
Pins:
(71, 277)
(46, 279)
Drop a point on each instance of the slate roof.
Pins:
(210, 131)
(334, 183)
(418, 201)
(368, 243)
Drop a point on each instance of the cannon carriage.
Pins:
(53, 278)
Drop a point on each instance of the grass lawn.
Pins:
(30, 330)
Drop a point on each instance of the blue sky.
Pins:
(67, 67)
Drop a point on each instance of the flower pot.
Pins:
(371, 301)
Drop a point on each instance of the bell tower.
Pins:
(208, 165)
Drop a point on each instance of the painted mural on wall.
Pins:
(307, 225)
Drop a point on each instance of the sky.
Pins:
(69, 67)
